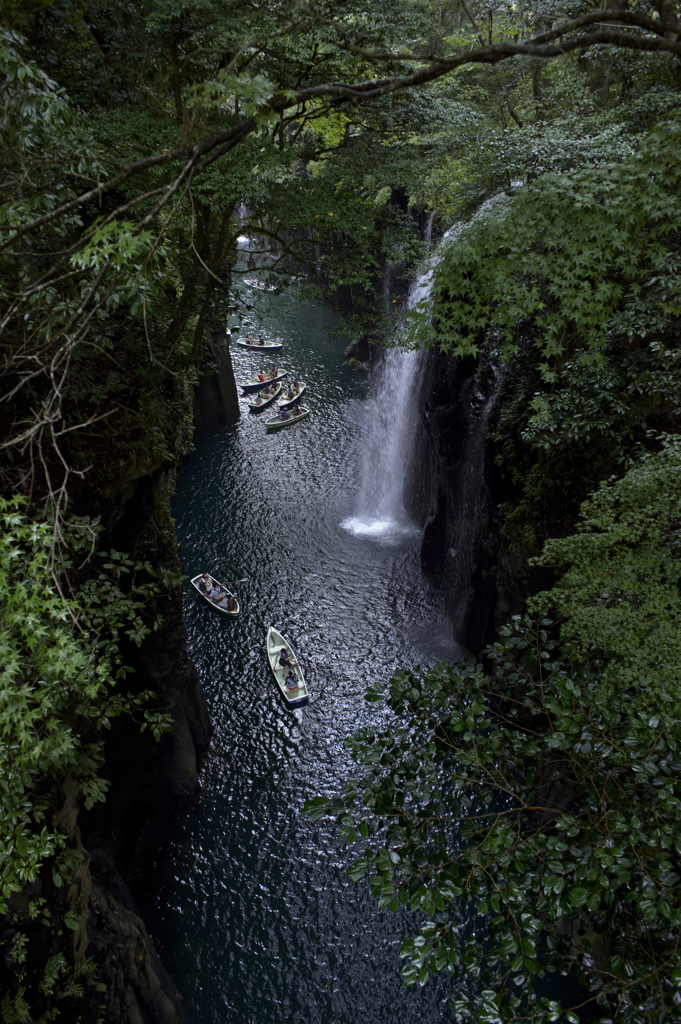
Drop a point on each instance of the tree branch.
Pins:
(205, 152)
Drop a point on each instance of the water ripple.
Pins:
(249, 902)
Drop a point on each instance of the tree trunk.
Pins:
(175, 32)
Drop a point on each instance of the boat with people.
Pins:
(253, 282)
(264, 398)
(286, 417)
(217, 595)
(263, 378)
(260, 346)
(291, 394)
(286, 669)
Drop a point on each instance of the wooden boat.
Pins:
(256, 385)
(253, 282)
(267, 346)
(277, 642)
(265, 399)
(285, 401)
(221, 606)
(277, 424)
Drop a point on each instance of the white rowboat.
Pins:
(221, 606)
(267, 346)
(276, 643)
(285, 401)
(266, 400)
(277, 423)
(255, 385)
(253, 282)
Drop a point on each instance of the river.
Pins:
(248, 902)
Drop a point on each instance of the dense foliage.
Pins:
(532, 812)
(619, 595)
(137, 142)
(584, 255)
(117, 260)
(534, 816)
(61, 683)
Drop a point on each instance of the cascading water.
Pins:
(391, 425)
(392, 417)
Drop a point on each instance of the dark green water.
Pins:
(248, 903)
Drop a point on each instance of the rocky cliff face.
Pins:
(216, 400)
(148, 779)
(453, 491)
(460, 493)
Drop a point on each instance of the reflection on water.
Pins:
(249, 902)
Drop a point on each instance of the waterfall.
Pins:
(391, 430)
(392, 417)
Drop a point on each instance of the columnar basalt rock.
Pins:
(148, 779)
(216, 399)
(460, 494)
(453, 491)
(139, 989)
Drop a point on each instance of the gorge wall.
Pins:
(216, 400)
(454, 490)
(152, 783)
(149, 781)
(453, 485)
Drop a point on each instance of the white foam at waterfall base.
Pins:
(386, 531)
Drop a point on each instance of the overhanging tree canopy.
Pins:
(88, 234)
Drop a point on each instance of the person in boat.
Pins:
(216, 593)
(261, 340)
(291, 681)
(258, 399)
(261, 377)
(206, 581)
(232, 603)
(285, 659)
(284, 414)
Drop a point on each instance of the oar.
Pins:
(229, 582)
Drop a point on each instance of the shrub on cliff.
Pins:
(583, 255)
(555, 440)
(619, 589)
(573, 279)
(60, 685)
(536, 820)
